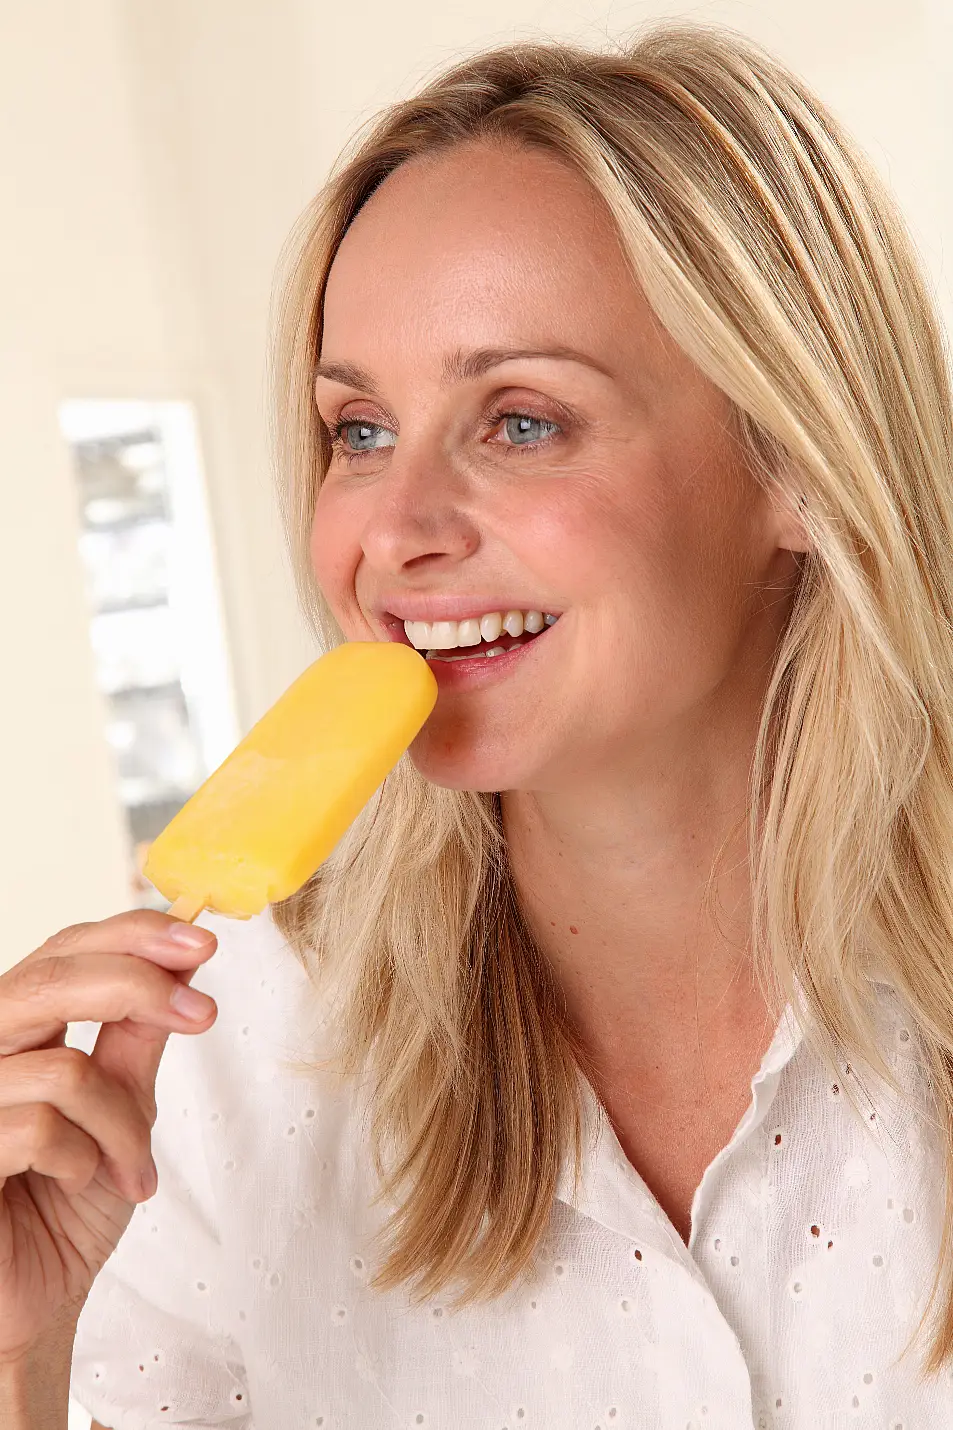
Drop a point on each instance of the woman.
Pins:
(637, 965)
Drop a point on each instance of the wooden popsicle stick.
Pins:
(187, 907)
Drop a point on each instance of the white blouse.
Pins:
(238, 1295)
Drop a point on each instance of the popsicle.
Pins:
(268, 817)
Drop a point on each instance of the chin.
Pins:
(451, 765)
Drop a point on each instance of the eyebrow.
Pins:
(459, 366)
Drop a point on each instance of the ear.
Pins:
(790, 530)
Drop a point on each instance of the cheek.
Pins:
(651, 559)
(592, 533)
(333, 558)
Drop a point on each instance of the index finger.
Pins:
(146, 932)
(129, 1050)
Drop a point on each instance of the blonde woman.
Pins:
(603, 1076)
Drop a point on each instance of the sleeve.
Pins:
(151, 1346)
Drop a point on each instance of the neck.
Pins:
(639, 897)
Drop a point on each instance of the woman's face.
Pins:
(602, 487)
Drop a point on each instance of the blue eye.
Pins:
(353, 438)
(521, 428)
(365, 431)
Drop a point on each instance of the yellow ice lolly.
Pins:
(260, 826)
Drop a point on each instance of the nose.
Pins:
(419, 516)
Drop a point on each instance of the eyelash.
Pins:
(510, 448)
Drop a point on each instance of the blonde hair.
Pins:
(770, 250)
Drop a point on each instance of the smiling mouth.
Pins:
(483, 650)
(486, 650)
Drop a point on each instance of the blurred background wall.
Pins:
(154, 158)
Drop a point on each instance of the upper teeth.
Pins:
(445, 635)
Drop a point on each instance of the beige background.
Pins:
(154, 157)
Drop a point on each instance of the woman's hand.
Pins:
(75, 1128)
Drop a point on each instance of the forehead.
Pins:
(479, 244)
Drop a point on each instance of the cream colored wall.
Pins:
(155, 156)
(82, 309)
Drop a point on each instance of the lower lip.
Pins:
(482, 669)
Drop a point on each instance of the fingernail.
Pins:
(188, 936)
(149, 1180)
(191, 1003)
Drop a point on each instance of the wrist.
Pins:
(34, 1389)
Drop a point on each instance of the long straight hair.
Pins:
(771, 252)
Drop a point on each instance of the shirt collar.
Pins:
(611, 1190)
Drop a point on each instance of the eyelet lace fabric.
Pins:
(239, 1293)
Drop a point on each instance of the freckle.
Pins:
(573, 929)
(552, 923)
